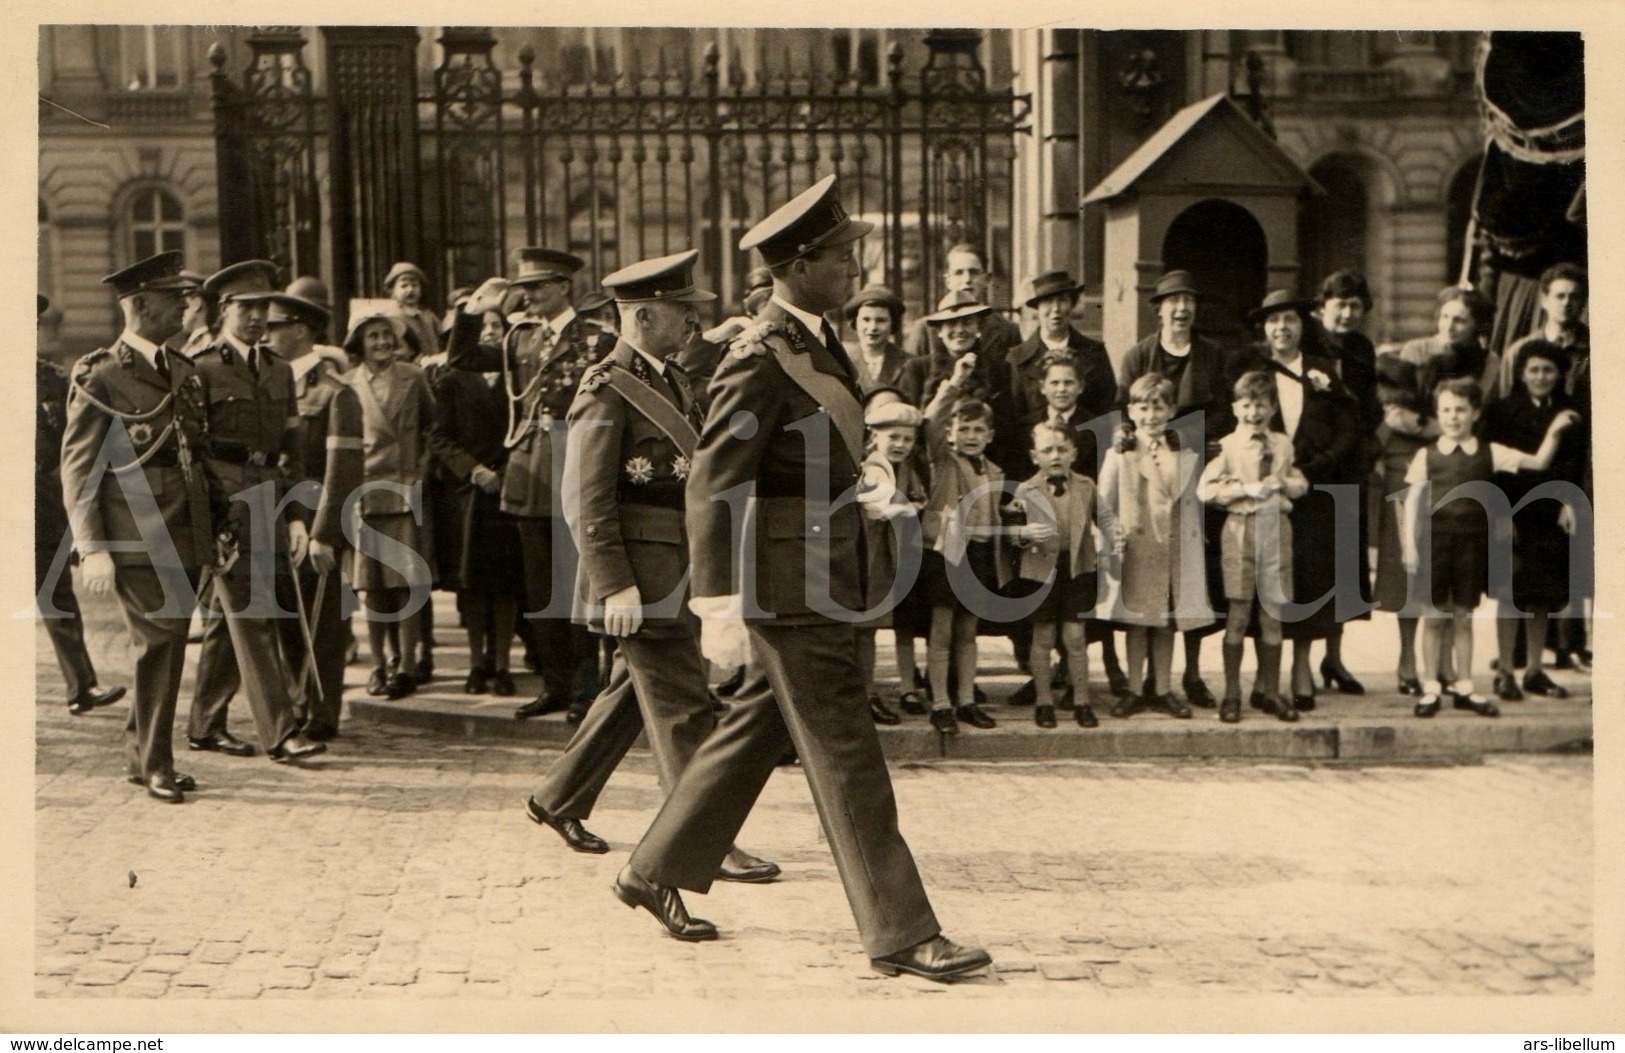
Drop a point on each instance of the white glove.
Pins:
(96, 573)
(298, 541)
(623, 612)
(723, 638)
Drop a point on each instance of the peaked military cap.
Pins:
(162, 271)
(536, 265)
(811, 220)
(663, 278)
(247, 281)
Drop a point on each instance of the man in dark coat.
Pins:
(53, 542)
(785, 423)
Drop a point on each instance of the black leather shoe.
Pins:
(1044, 716)
(94, 700)
(478, 682)
(1284, 711)
(1117, 681)
(577, 712)
(222, 742)
(295, 747)
(943, 720)
(1340, 678)
(1197, 693)
(913, 703)
(665, 903)
(1230, 711)
(540, 706)
(162, 787)
(1085, 717)
(881, 713)
(1127, 706)
(976, 717)
(1475, 703)
(502, 684)
(1258, 701)
(1303, 703)
(1410, 686)
(746, 869)
(378, 682)
(400, 685)
(1025, 695)
(1174, 706)
(180, 779)
(575, 835)
(1506, 688)
(938, 958)
(1536, 682)
(1426, 706)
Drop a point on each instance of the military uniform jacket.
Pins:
(166, 421)
(255, 436)
(623, 493)
(802, 551)
(541, 384)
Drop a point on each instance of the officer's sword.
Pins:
(308, 672)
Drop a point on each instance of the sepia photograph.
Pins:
(548, 527)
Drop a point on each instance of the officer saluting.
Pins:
(785, 422)
(254, 439)
(133, 488)
(633, 428)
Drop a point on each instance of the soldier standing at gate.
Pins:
(542, 359)
(135, 495)
(253, 459)
(633, 429)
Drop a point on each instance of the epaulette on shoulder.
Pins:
(595, 377)
(90, 361)
(753, 341)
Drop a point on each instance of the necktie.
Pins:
(253, 359)
(161, 363)
(1266, 459)
(1058, 487)
(671, 386)
(975, 463)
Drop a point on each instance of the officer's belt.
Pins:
(236, 453)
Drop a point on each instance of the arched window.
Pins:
(1333, 228)
(157, 223)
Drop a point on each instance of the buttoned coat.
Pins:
(1038, 559)
(121, 379)
(789, 446)
(1026, 364)
(257, 417)
(623, 495)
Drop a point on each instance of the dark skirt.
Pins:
(1314, 564)
(1540, 560)
(371, 574)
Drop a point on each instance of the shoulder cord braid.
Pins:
(157, 443)
(517, 429)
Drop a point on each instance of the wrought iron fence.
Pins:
(614, 168)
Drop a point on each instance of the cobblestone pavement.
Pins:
(402, 865)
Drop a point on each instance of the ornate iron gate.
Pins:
(637, 166)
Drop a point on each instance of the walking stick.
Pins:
(308, 671)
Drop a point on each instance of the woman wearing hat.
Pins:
(477, 549)
(1054, 298)
(1196, 366)
(397, 411)
(876, 315)
(1320, 417)
(958, 328)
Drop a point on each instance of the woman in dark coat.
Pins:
(876, 316)
(1540, 545)
(1344, 300)
(478, 553)
(1319, 415)
(1196, 366)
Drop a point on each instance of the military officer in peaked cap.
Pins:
(133, 488)
(785, 422)
(542, 360)
(53, 542)
(254, 457)
(633, 428)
